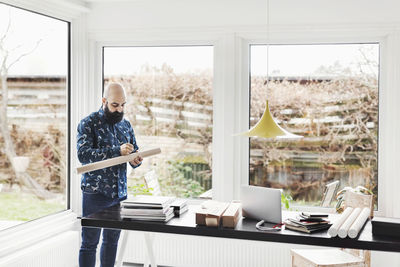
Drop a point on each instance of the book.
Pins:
(306, 229)
(310, 219)
(179, 202)
(313, 215)
(146, 201)
(149, 208)
(152, 219)
(139, 207)
(307, 223)
(180, 211)
(137, 211)
(165, 217)
(180, 206)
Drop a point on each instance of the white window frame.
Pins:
(31, 232)
(387, 108)
(230, 91)
(222, 84)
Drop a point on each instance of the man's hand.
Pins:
(136, 161)
(126, 149)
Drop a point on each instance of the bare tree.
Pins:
(8, 58)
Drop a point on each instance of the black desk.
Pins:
(185, 225)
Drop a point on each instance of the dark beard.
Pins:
(113, 117)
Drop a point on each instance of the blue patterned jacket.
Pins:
(98, 140)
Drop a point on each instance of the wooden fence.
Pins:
(37, 102)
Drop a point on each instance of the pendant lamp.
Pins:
(266, 127)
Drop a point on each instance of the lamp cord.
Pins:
(274, 228)
(267, 77)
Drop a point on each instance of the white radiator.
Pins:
(60, 250)
(183, 250)
(195, 251)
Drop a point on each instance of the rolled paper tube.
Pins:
(344, 229)
(117, 160)
(333, 230)
(359, 222)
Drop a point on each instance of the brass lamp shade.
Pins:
(266, 127)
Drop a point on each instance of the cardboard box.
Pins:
(232, 215)
(201, 217)
(211, 213)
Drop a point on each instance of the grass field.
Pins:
(25, 207)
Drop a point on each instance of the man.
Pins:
(102, 135)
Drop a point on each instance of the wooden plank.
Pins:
(117, 160)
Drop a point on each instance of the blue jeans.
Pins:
(91, 203)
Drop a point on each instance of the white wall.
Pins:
(176, 13)
(219, 13)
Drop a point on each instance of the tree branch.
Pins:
(8, 27)
(24, 54)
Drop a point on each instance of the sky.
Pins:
(306, 60)
(50, 57)
(284, 60)
(129, 60)
(27, 28)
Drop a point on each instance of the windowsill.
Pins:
(26, 234)
(4, 224)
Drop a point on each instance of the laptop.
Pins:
(261, 203)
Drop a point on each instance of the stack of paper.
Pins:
(149, 208)
(308, 222)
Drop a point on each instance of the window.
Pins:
(34, 57)
(329, 94)
(169, 104)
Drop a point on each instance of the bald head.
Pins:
(114, 97)
(113, 89)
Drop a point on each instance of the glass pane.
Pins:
(169, 104)
(328, 94)
(33, 115)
